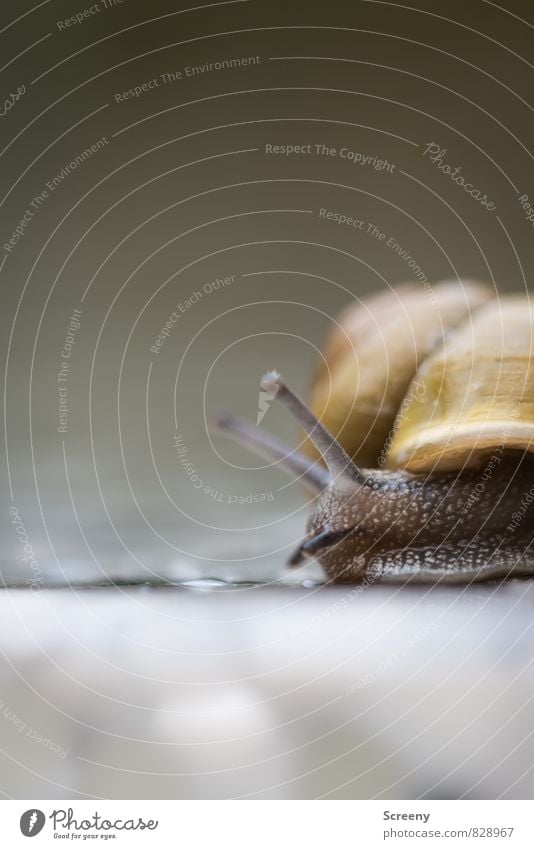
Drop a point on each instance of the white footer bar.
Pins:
(268, 824)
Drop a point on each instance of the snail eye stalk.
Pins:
(340, 465)
(315, 476)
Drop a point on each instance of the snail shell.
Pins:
(475, 393)
(372, 356)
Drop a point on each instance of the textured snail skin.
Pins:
(429, 529)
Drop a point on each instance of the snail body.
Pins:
(427, 529)
(422, 410)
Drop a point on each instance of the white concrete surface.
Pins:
(267, 692)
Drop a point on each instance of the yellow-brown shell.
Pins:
(474, 396)
(373, 356)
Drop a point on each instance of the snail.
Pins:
(419, 438)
